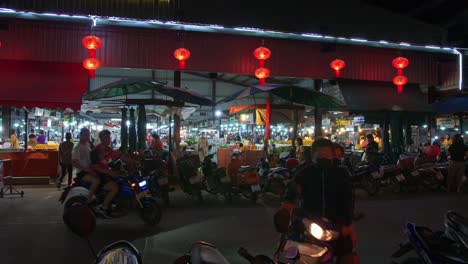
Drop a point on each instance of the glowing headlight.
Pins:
(318, 232)
(142, 184)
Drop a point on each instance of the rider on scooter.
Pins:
(325, 191)
(81, 159)
(102, 155)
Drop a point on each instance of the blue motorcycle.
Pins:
(133, 189)
(435, 247)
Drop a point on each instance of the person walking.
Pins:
(458, 151)
(65, 159)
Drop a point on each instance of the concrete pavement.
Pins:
(32, 231)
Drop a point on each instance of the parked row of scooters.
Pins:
(247, 181)
(411, 173)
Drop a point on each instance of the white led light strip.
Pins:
(151, 23)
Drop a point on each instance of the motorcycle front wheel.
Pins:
(151, 212)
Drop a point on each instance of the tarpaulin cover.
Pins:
(42, 84)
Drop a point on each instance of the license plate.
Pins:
(415, 173)
(400, 177)
(163, 181)
(375, 175)
(255, 188)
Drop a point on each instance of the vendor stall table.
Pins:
(248, 157)
(32, 164)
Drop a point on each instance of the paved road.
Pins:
(32, 231)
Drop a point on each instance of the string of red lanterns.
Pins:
(182, 54)
(400, 80)
(262, 54)
(92, 43)
(337, 65)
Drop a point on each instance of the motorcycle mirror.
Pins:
(81, 220)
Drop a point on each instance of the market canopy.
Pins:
(42, 84)
(290, 93)
(125, 88)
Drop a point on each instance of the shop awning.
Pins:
(42, 84)
(382, 96)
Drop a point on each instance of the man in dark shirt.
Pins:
(457, 151)
(324, 189)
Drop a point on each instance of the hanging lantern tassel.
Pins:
(182, 55)
(337, 65)
(399, 81)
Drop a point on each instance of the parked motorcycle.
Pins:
(154, 170)
(132, 188)
(365, 177)
(244, 179)
(215, 180)
(447, 246)
(190, 176)
(275, 180)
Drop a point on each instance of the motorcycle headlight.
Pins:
(320, 233)
(142, 184)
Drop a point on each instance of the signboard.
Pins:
(38, 111)
(326, 122)
(343, 122)
(46, 113)
(446, 122)
(359, 119)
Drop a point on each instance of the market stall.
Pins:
(33, 163)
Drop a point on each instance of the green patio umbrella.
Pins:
(132, 137)
(303, 96)
(123, 87)
(141, 126)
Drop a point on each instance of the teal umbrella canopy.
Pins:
(122, 88)
(290, 93)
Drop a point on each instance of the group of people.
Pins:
(91, 165)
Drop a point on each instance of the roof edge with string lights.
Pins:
(173, 25)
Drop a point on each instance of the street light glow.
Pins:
(218, 113)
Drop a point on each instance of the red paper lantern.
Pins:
(262, 73)
(182, 55)
(337, 65)
(92, 43)
(400, 63)
(262, 54)
(91, 64)
(399, 81)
